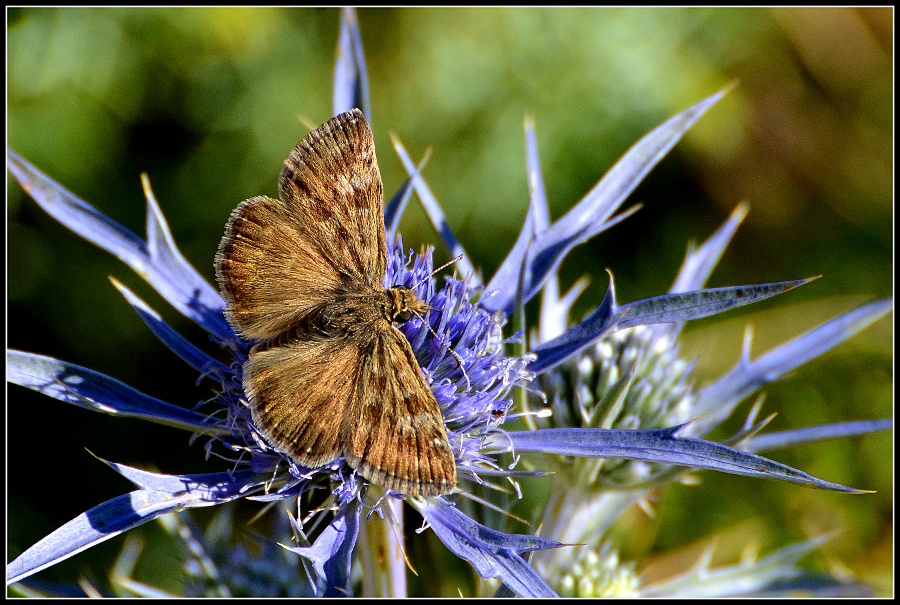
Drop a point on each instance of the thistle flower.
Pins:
(465, 358)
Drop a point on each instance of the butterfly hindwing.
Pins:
(298, 394)
(270, 272)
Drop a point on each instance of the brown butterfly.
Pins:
(333, 375)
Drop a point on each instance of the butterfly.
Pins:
(332, 374)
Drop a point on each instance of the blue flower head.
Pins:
(621, 408)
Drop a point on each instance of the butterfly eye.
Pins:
(403, 316)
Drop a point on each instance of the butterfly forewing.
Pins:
(331, 180)
(394, 432)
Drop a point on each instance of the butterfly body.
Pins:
(332, 374)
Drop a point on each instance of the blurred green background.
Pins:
(210, 101)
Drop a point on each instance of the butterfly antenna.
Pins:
(459, 360)
(430, 275)
(456, 356)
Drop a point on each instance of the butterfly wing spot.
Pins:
(407, 426)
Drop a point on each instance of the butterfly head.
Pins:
(404, 304)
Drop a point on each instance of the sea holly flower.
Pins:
(466, 359)
(633, 379)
